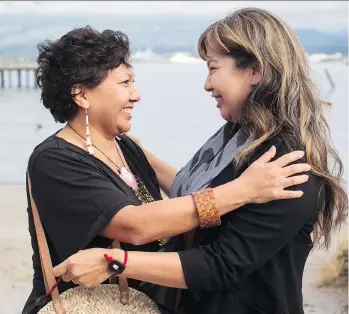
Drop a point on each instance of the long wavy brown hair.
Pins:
(286, 99)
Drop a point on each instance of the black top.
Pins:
(253, 263)
(77, 195)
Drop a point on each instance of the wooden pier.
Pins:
(25, 71)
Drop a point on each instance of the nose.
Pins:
(135, 95)
(208, 85)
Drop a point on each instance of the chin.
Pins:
(125, 128)
(225, 115)
(121, 128)
(229, 115)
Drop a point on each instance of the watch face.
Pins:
(116, 268)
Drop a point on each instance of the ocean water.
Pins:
(173, 119)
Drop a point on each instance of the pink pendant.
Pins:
(128, 178)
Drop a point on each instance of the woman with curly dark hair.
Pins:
(92, 185)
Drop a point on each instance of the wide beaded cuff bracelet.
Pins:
(206, 207)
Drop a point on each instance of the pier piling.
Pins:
(28, 67)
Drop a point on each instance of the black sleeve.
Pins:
(249, 237)
(75, 200)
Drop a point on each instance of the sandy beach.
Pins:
(16, 272)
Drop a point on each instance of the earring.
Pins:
(88, 137)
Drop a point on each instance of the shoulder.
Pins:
(313, 189)
(284, 144)
(54, 154)
(49, 144)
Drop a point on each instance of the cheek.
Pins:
(121, 96)
(237, 90)
(116, 98)
(224, 83)
(220, 84)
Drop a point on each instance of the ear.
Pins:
(256, 74)
(79, 96)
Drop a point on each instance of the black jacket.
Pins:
(253, 263)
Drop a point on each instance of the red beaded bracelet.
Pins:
(111, 259)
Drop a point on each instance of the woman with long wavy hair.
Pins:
(253, 262)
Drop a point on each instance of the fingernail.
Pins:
(301, 153)
(271, 148)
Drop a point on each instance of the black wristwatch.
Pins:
(115, 267)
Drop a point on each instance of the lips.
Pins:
(127, 111)
(218, 99)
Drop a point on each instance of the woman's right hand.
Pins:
(266, 181)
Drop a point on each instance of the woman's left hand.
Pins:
(87, 268)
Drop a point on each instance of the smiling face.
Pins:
(229, 84)
(113, 100)
(110, 103)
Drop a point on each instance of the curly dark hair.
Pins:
(83, 57)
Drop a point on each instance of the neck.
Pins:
(99, 137)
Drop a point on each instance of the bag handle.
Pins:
(45, 258)
(46, 262)
(123, 284)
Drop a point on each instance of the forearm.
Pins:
(162, 268)
(164, 172)
(167, 218)
(175, 216)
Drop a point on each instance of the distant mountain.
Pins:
(319, 42)
(162, 34)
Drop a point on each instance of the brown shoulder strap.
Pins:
(46, 263)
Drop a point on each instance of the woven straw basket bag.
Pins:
(104, 299)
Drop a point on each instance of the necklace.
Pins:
(125, 174)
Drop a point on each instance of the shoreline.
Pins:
(16, 268)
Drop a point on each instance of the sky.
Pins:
(325, 15)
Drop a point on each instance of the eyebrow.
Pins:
(122, 75)
(131, 74)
